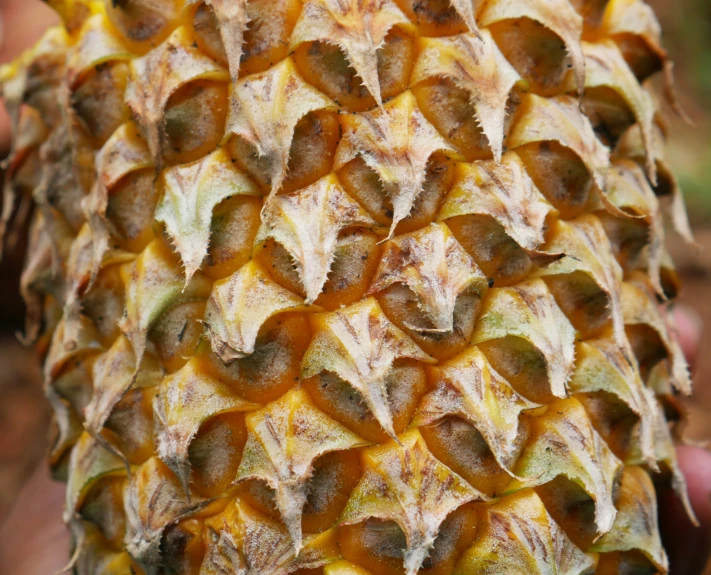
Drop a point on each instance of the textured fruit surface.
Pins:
(351, 287)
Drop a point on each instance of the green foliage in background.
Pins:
(692, 38)
(687, 35)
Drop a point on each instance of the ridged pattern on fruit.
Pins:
(352, 286)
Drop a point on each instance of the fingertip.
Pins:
(689, 328)
(33, 537)
(695, 463)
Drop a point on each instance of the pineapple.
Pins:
(347, 287)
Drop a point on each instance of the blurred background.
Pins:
(24, 416)
(687, 36)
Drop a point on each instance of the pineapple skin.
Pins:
(349, 287)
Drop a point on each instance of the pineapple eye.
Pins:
(559, 174)
(538, 54)
(215, 451)
(459, 445)
(65, 189)
(592, 11)
(177, 332)
(379, 545)
(281, 265)
(356, 260)
(259, 496)
(311, 153)
(130, 427)
(266, 39)
(235, 222)
(521, 364)
(103, 507)
(207, 33)
(583, 302)
(405, 386)
(436, 18)
(313, 147)
(274, 367)
(335, 475)
(647, 346)
(571, 507)
(41, 91)
(376, 545)
(74, 383)
(609, 114)
(104, 304)
(498, 255)
(400, 303)
(145, 23)
(194, 121)
(613, 420)
(182, 546)
(362, 183)
(637, 53)
(326, 67)
(449, 109)
(98, 101)
(131, 205)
